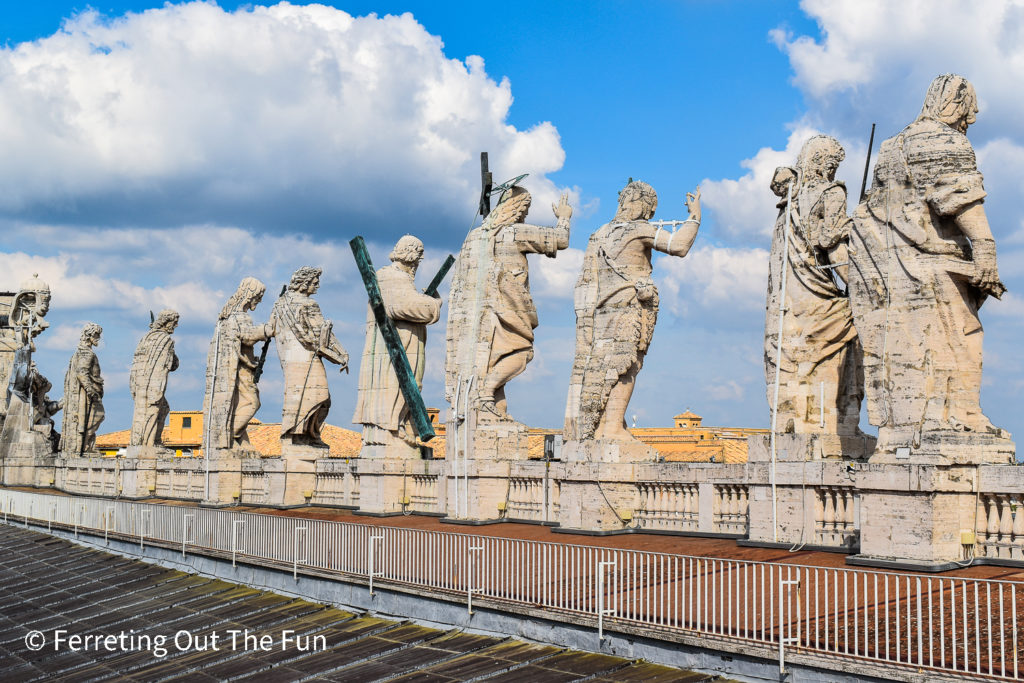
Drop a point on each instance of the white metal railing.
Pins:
(951, 624)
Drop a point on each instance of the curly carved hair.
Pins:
(166, 319)
(91, 330)
(302, 277)
(407, 249)
(638, 189)
(816, 150)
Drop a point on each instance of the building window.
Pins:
(186, 422)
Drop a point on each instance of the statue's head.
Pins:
(637, 201)
(820, 157)
(512, 207)
(305, 280)
(782, 179)
(951, 100)
(246, 297)
(166, 320)
(408, 250)
(33, 295)
(91, 334)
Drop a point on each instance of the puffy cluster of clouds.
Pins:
(267, 116)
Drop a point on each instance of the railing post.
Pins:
(601, 611)
(787, 583)
(234, 539)
(470, 565)
(106, 524)
(184, 532)
(371, 550)
(295, 549)
(53, 512)
(142, 524)
(31, 506)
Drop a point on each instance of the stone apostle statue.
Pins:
(304, 339)
(616, 307)
(83, 396)
(380, 405)
(491, 315)
(821, 380)
(154, 360)
(22, 319)
(232, 398)
(922, 262)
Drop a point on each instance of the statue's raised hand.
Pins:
(562, 210)
(693, 204)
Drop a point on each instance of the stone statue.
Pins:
(380, 406)
(154, 360)
(83, 396)
(304, 339)
(22, 319)
(821, 381)
(232, 398)
(616, 308)
(491, 315)
(922, 262)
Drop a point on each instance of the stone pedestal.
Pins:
(478, 490)
(225, 476)
(386, 486)
(601, 450)
(945, 448)
(916, 516)
(300, 464)
(138, 470)
(812, 472)
(596, 497)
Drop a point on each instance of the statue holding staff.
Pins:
(232, 397)
(304, 339)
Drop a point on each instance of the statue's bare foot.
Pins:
(489, 410)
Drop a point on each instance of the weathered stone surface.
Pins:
(917, 514)
(25, 408)
(922, 262)
(154, 359)
(380, 406)
(232, 397)
(304, 339)
(616, 308)
(83, 397)
(820, 377)
(491, 314)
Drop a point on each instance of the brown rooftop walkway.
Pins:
(48, 583)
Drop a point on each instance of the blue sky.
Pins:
(155, 160)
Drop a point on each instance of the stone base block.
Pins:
(33, 470)
(384, 487)
(919, 516)
(607, 451)
(497, 440)
(808, 447)
(478, 490)
(597, 497)
(944, 448)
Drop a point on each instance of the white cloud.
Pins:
(196, 110)
(710, 277)
(556, 277)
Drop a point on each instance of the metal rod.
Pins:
(778, 362)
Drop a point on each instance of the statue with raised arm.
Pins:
(491, 314)
(820, 378)
(232, 396)
(616, 308)
(83, 397)
(922, 262)
(304, 339)
(380, 405)
(154, 360)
